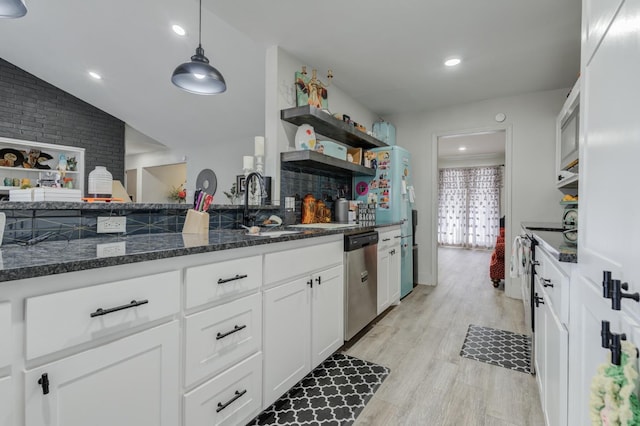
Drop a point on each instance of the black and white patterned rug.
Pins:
(334, 393)
(497, 347)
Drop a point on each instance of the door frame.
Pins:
(434, 188)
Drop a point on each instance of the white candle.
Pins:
(259, 146)
(247, 162)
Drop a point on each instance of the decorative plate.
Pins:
(305, 137)
(10, 157)
(42, 161)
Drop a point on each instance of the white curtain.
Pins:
(469, 206)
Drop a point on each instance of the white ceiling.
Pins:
(476, 144)
(386, 55)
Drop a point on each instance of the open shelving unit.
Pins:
(315, 160)
(329, 126)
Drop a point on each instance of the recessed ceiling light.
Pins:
(95, 75)
(462, 148)
(178, 30)
(452, 62)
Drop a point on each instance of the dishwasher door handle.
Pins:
(364, 276)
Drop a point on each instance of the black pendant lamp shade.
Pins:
(12, 9)
(198, 76)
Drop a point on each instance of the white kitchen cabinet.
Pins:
(608, 229)
(222, 281)
(551, 358)
(231, 398)
(64, 319)
(303, 316)
(327, 314)
(287, 337)
(388, 269)
(6, 402)
(129, 382)
(219, 337)
(5, 334)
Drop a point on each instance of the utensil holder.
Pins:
(196, 222)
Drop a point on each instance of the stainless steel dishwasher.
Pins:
(361, 286)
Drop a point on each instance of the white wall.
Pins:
(474, 161)
(531, 125)
(280, 94)
(225, 160)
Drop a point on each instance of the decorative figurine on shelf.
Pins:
(62, 166)
(312, 91)
(72, 164)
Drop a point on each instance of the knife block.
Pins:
(196, 222)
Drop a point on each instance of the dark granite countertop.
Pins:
(542, 226)
(554, 243)
(69, 205)
(57, 257)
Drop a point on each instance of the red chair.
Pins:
(496, 267)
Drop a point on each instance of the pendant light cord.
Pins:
(200, 26)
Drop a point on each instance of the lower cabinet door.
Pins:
(556, 369)
(287, 338)
(394, 274)
(129, 382)
(383, 280)
(327, 309)
(6, 402)
(232, 398)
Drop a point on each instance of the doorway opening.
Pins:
(471, 201)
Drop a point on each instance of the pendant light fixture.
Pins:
(12, 9)
(198, 76)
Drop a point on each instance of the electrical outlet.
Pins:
(111, 249)
(112, 224)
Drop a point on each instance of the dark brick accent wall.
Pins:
(34, 110)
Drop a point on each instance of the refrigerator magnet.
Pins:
(362, 188)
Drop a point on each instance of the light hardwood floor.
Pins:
(420, 341)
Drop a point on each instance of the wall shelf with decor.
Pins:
(329, 126)
(325, 163)
(20, 160)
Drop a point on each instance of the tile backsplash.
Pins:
(299, 181)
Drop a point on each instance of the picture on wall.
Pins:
(240, 184)
(311, 91)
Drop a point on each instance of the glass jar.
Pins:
(100, 183)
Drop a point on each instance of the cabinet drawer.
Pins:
(232, 398)
(222, 280)
(212, 342)
(291, 263)
(5, 334)
(62, 320)
(555, 283)
(388, 239)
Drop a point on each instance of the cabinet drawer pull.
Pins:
(319, 280)
(237, 395)
(226, 280)
(236, 328)
(547, 283)
(386, 239)
(398, 236)
(133, 304)
(44, 382)
(538, 300)
(392, 252)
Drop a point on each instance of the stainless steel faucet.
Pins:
(246, 219)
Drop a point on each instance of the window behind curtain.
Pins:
(469, 206)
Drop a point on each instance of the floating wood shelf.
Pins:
(329, 126)
(325, 163)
